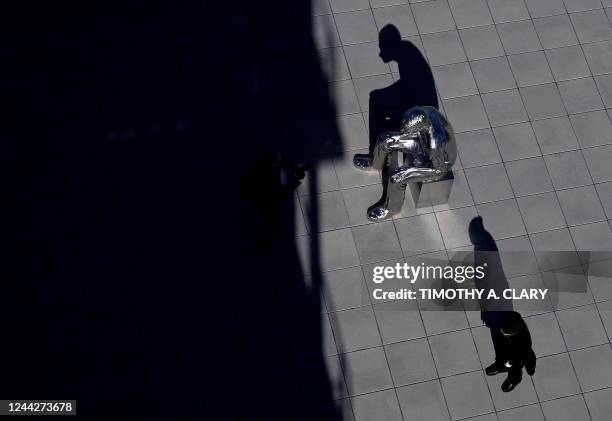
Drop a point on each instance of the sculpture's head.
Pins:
(389, 42)
(415, 119)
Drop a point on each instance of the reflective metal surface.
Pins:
(427, 142)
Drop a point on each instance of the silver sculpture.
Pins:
(427, 142)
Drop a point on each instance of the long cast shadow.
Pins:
(157, 260)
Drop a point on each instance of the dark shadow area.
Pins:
(509, 333)
(415, 87)
(154, 272)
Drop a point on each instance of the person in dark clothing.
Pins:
(513, 351)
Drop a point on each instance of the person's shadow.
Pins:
(415, 86)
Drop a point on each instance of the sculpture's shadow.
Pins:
(415, 86)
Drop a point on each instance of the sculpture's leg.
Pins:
(393, 195)
(377, 159)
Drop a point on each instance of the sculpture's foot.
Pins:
(363, 161)
(378, 212)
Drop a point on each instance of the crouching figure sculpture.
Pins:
(427, 142)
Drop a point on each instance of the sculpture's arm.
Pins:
(405, 174)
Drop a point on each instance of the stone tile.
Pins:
(419, 234)
(599, 404)
(572, 408)
(469, 13)
(454, 353)
(327, 337)
(334, 370)
(377, 405)
(338, 6)
(604, 84)
(591, 26)
(581, 205)
(384, 3)
(502, 218)
(366, 371)
(555, 377)
(489, 183)
(508, 10)
(592, 129)
(545, 335)
(460, 195)
(363, 60)
(333, 64)
(529, 307)
(541, 212)
(599, 56)
(519, 37)
(580, 95)
(555, 31)
(516, 141)
(467, 395)
(605, 311)
(454, 226)
(411, 362)
(377, 242)
(352, 131)
(481, 42)
(530, 412)
(365, 85)
(355, 329)
(443, 48)
(596, 242)
(398, 321)
(604, 191)
(423, 401)
(358, 200)
(505, 107)
(529, 176)
(568, 287)
(454, 80)
(598, 160)
(345, 99)
(567, 63)
(320, 7)
(484, 345)
(356, 27)
(337, 250)
(543, 101)
(493, 74)
(438, 319)
(539, 8)
(517, 256)
(344, 289)
(581, 327)
(488, 417)
(593, 367)
(433, 16)
(555, 135)
(523, 394)
(324, 31)
(466, 113)
(477, 148)
(331, 210)
(400, 16)
(349, 176)
(581, 5)
(530, 68)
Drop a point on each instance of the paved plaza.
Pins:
(527, 86)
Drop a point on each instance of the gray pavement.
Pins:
(528, 87)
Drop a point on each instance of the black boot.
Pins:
(495, 368)
(511, 382)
